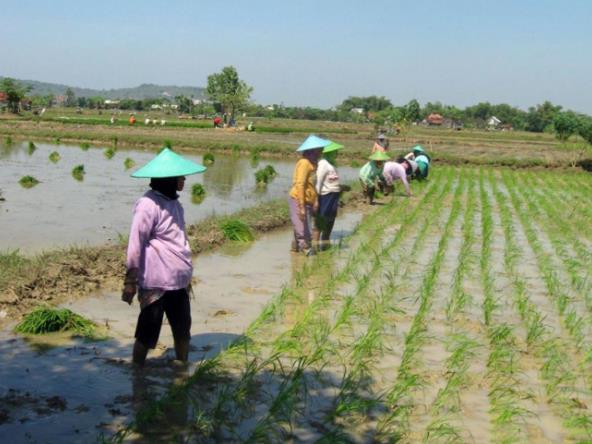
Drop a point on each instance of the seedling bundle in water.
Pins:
(28, 181)
(47, 320)
(55, 157)
(85, 146)
(198, 193)
(265, 175)
(237, 230)
(8, 140)
(208, 159)
(78, 172)
(109, 153)
(32, 148)
(129, 163)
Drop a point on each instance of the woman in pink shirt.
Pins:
(397, 171)
(158, 264)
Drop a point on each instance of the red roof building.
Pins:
(435, 119)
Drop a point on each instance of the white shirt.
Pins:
(327, 178)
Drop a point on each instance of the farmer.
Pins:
(132, 120)
(397, 171)
(371, 175)
(381, 144)
(303, 195)
(423, 162)
(328, 190)
(217, 122)
(158, 264)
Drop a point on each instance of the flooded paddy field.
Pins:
(460, 315)
(62, 211)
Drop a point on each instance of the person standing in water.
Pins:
(328, 190)
(371, 175)
(158, 264)
(303, 195)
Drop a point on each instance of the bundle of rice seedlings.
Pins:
(265, 175)
(85, 146)
(109, 153)
(78, 172)
(55, 157)
(47, 320)
(129, 163)
(32, 148)
(8, 140)
(198, 193)
(236, 230)
(28, 181)
(208, 158)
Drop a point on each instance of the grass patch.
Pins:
(236, 230)
(198, 193)
(78, 172)
(54, 157)
(208, 159)
(44, 320)
(28, 181)
(109, 153)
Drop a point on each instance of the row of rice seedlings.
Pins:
(459, 297)
(577, 266)
(505, 391)
(395, 422)
(573, 198)
(555, 369)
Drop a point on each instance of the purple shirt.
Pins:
(393, 171)
(158, 246)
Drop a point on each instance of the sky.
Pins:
(313, 53)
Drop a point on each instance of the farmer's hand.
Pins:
(129, 291)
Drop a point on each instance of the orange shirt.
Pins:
(303, 187)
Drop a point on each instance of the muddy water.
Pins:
(62, 211)
(64, 390)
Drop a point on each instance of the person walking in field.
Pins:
(399, 170)
(422, 160)
(158, 264)
(381, 144)
(371, 175)
(303, 198)
(329, 191)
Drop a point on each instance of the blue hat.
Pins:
(313, 142)
(169, 164)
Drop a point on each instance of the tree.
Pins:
(585, 128)
(369, 103)
(15, 92)
(565, 124)
(227, 89)
(413, 111)
(541, 116)
(70, 98)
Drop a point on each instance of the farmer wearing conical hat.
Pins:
(158, 264)
(422, 160)
(328, 190)
(303, 195)
(371, 174)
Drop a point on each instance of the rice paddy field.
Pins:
(460, 315)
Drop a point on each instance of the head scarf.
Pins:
(166, 186)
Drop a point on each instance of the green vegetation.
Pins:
(236, 230)
(85, 146)
(54, 156)
(44, 320)
(78, 172)
(28, 181)
(109, 153)
(8, 140)
(265, 175)
(198, 193)
(208, 159)
(32, 148)
(129, 163)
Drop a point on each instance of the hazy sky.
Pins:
(315, 53)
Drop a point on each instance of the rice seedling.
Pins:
(8, 140)
(48, 320)
(85, 146)
(32, 148)
(208, 159)
(28, 181)
(109, 153)
(54, 156)
(57, 140)
(114, 141)
(236, 230)
(78, 172)
(265, 175)
(129, 163)
(198, 193)
(168, 144)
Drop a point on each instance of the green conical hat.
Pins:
(169, 164)
(379, 155)
(418, 149)
(333, 147)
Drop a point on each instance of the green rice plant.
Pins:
(236, 230)
(208, 159)
(78, 172)
(114, 140)
(85, 146)
(28, 181)
(8, 140)
(44, 320)
(54, 156)
(198, 193)
(32, 148)
(57, 140)
(129, 163)
(168, 144)
(254, 160)
(109, 153)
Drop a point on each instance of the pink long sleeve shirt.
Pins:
(158, 246)
(393, 171)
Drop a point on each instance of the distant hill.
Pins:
(144, 91)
